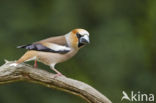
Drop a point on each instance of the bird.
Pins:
(54, 50)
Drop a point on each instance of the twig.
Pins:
(24, 72)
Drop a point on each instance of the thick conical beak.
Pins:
(85, 39)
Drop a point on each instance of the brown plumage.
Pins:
(55, 50)
(61, 40)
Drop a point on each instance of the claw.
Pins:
(58, 75)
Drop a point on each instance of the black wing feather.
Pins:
(40, 47)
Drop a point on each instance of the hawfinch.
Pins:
(55, 50)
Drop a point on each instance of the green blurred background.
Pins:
(121, 56)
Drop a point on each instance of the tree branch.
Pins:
(24, 72)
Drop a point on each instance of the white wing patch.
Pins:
(57, 47)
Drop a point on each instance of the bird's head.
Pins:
(78, 38)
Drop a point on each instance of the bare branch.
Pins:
(24, 72)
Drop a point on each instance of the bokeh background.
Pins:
(121, 56)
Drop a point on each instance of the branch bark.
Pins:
(24, 72)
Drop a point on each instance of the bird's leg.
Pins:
(52, 66)
(58, 73)
(35, 64)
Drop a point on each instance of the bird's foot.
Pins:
(35, 66)
(58, 75)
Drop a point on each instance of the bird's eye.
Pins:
(78, 35)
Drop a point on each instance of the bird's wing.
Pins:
(60, 40)
(47, 47)
(56, 44)
(57, 47)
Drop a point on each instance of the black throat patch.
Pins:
(80, 44)
(79, 36)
